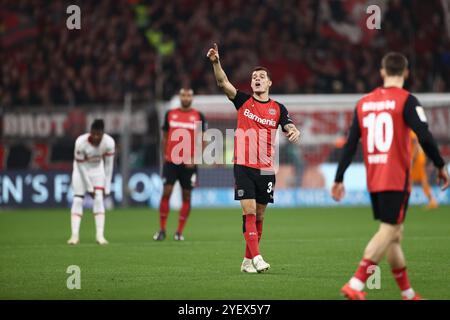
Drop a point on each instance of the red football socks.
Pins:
(362, 273)
(163, 213)
(259, 225)
(251, 235)
(184, 213)
(401, 276)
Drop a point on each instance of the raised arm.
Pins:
(221, 77)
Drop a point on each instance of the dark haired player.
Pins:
(183, 121)
(254, 150)
(383, 120)
(92, 173)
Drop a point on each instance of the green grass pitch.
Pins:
(312, 251)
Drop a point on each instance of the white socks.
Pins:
(76, 214)
(99, 224)
(75, 220)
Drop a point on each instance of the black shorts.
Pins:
(251, 183)
(390, 206)
(173, 172)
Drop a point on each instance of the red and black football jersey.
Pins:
(383, 120)
(257, 123)
(181, 124)
(385, 138)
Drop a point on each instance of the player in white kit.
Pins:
(92, 173)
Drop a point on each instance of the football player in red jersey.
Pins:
(179, 162)
(254, 150)
(383, 120)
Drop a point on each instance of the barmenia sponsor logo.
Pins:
(254, 117)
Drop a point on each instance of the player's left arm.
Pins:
(108, 159)
(204, 128)
(415, 118)
(288, 126)
(348, 152)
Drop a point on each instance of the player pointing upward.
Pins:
(258, 117)
(383, 120)
(92, 173)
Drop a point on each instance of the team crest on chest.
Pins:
(272, 111)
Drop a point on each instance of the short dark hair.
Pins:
(394, 63)
(260, 68)
(185, 88)
(98, 124)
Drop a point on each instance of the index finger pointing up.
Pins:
(215, 47)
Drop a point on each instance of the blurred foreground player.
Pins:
(179, 163)
(258, 118)
(419, 172)
(92, 173)
(383, 120)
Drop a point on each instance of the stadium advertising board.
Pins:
(56, 124)
(52, 189)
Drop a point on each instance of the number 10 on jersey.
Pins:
(380, 131)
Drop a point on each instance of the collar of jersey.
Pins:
(390, 87)
(182, 110)
(260, 100)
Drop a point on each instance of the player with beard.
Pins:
(184, 121)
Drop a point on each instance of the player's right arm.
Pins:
(348, 152)
(164, 134)
(221, 77)
(415, 118)
(80, 159)
(164, 142)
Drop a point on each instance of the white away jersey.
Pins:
(91, 156)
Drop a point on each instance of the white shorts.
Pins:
(79, 187)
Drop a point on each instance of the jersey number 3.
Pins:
(380, 131)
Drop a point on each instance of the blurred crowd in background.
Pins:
(152, 47)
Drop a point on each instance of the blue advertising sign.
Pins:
(52, 189)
